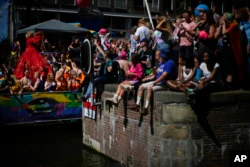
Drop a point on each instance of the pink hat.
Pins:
(123, 55)
(102, 31)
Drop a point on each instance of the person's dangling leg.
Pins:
(139, 95)
(88, 92)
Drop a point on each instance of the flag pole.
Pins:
(149, 14)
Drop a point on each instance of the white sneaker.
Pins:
(113, 100)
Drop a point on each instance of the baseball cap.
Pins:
(102, 31)
(144, 40)
(164, 54)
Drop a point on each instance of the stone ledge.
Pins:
(178, 97)
(178, 114)
(178, 132)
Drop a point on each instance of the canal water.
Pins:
(48, 145)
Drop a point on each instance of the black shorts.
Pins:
(186, 52)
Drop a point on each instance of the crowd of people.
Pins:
(194, 54)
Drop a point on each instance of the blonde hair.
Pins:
(157, 53)
(29, 34)
(142, 21)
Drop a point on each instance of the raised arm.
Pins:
(161, 27)
(99, 48)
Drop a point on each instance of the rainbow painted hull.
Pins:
(39, 107)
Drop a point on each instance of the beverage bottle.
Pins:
(148, 62)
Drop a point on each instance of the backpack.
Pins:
(121, 76)
(115, 70)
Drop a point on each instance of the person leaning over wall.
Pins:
(166, 70)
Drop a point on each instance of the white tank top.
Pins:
(185, 75)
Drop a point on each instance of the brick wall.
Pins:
(170, 134)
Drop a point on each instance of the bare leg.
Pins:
(136, 107)
(119, 90)
(140, 90)
(148, 99)
(174, 85)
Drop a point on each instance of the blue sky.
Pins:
(3, 19)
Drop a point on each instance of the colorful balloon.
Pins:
(83, 3)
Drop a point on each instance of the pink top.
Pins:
(138, 70)
(186, 39)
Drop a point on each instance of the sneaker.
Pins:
(135, 107)
(191, 98)
(82, 98)
(113, 100)
(191, 95)
(144, 112)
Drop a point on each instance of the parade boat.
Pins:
(39, 107)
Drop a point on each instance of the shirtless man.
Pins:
(25, 82)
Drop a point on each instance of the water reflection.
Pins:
(54, 145)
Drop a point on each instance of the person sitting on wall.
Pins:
(108, 74)
(98, 63)
(166, 70)
(185, 74)
(209, 83)
(124, 66)
(146, 56)
(134, 75)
